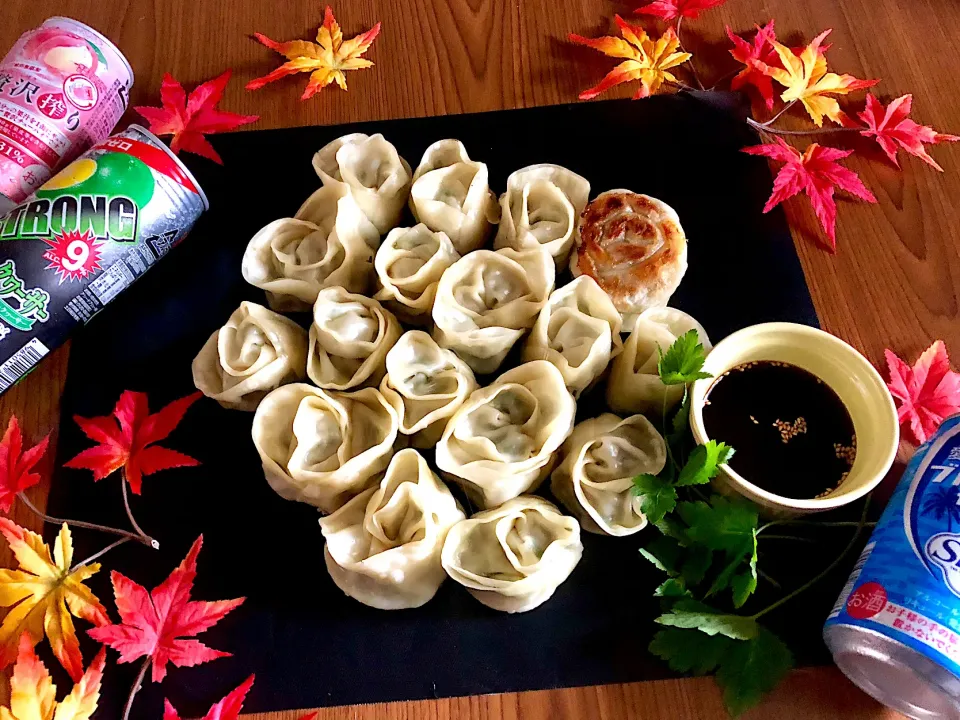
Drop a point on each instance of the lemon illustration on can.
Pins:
(110, 174)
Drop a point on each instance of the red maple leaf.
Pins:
(188, 120)
(929, 392)
(127, 440)
(672, 9)
(160, 624)
(891, 127)
(816, 173)
(16, 464)
(227, 709)
(756, 55)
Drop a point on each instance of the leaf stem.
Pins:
(136, 687)
(693, 70)
(81, 524)
(765, 127)
(823, 573)
(146, 539)
(789, 537)
(771, 121)
(100, 554)
(723, 78)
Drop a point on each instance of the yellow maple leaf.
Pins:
(646, 60)
(326, 60)
(42, 594)
(806, 78)
(33, 696)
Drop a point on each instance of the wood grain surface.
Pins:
(893, 283)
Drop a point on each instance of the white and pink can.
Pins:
(63, 88)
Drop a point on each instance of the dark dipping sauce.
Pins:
(792, 434)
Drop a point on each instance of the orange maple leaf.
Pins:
(326, 60)
(804, 74)
(647, 60)
(33, 695)
(42, 595)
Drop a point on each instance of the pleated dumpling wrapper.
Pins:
(383, 547)
(426, 385)
(323, 448)
(377, 176)
(578, 330)
(501, 441)
(634, 384)
(256, 351)
(349, 340)
(329, 242)
(409, 264)
(487, 299)
(514, 557)
(451, 194)
(542, 207)
(635, 249)
(595, 479)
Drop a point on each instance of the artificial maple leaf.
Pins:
(756, 55)
(189, 119)
(127, 441)
(804, 74)
(929, 392)
(227, 709)
(160, 624)
(891, 127)
(42, 594)
(326, 60)
(16, 464)
(672, 9)
(816, 173)
(647, 60)
(33, 696)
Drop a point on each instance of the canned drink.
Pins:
(895, 631)
(63, 88)
(84, 237)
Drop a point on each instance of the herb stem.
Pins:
(769, 579)
(823, 573)
(136, 687)
(99, 554)
(80, 523)
(144, 538)
(789, 537)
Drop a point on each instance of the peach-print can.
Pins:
(63, 88)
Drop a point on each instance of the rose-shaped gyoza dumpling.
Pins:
(409, 264)
(514, 557)
(542, 207)
(255, 352)
(383, 546)
(349, 340)
(377, 176)
(426, 385)
(595, 479)
(634, 384)
(578, 330)
(329, 242)
(323, 448)
(635, 249)
(451, 194)
(486, 300)
(501, 441)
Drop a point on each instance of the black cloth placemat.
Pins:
(309, 644)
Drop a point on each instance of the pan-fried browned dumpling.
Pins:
(634, 247)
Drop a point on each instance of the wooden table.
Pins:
(893, 283)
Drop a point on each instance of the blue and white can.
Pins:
(895, 630)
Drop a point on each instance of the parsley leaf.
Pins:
(695, 565)
(704, 463)
(657, 496)
(671, 588)
(737, 627)
(680, 425)
(749, 670)
(682, 363)
(689, 650)
(665, 554)
(744, 584)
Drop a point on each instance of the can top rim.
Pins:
(100, 36)
(177, 160)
